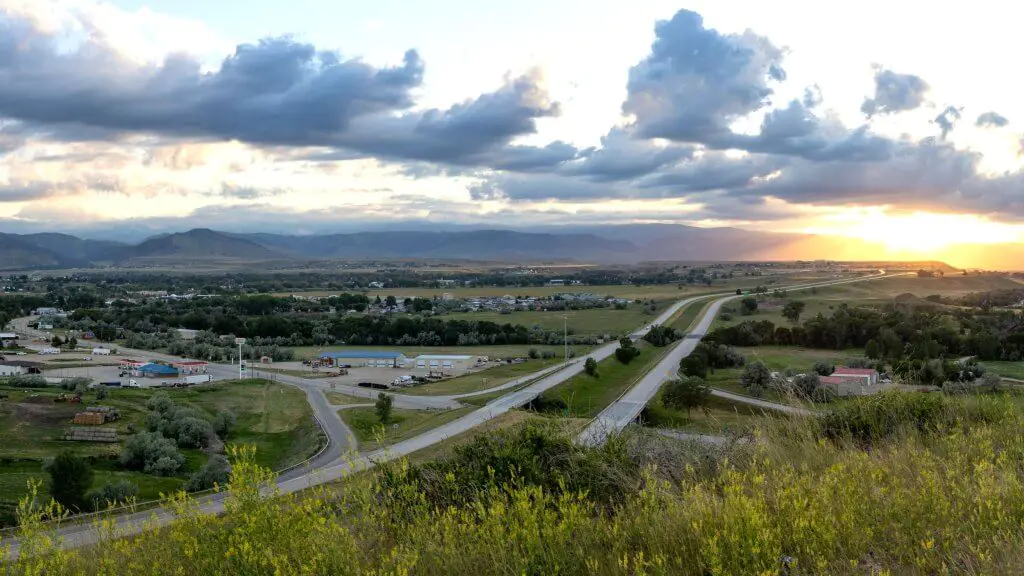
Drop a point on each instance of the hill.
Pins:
(200, 243)
(18, 253)
(72, 248)
(473, 245)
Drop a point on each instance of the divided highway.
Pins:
(628, 407)
(337, 462)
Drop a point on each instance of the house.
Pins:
(47, 312)
(370, 359)
(101, 352)
(158, 371)
(868, 375)
(187, 334)
(444, 362)
(8, 339)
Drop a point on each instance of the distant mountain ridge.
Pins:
(629, 243)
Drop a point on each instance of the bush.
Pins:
(112, 495)
(151, 453)
(823, 369)
(686, 394)
(533, 353)
(661, 336)
(194, 432)
(78, 383)
(223, 422)
(756, 378)
(159, 402)
(215, 472)
(872, 418)
(102, 393)
(384, 405)
(547, 355)
(626, 351)
(590, 367)
(27, 381)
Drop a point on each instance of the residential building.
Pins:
(365, 359)
(867, 375)
(8, 339)
(187, 334)
(8, 370)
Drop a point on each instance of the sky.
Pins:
(881, 120)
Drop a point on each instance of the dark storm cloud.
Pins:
(947, 119)
(991, 120)
(894, 93)
(26, 191)
(275, 92)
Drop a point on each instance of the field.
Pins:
(481, 380)
(594, 321)
(721, 417)
(586, 395)
(1006, 369)
(339, 399)
(273, 417)
(497, 351)
(403, 424)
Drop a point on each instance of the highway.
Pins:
(338, 461)
(627, 408)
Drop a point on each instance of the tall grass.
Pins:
(945, 497)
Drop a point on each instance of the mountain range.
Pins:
(597, 244)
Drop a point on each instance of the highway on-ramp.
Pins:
(330, 468)
(628, 407)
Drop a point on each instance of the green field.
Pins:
(594, 321)
(339, 399)
(481, 380)
(1006, 369)
(273, 417)
(721, 417)
(404, 424)
(587, 395)
(497, 351)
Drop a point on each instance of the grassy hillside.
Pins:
(893, 484)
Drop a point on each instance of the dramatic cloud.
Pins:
(622, 156)
(696, 82)
(991, 120)
(274, 92)
(894, 93)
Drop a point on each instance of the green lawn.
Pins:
(371, 434)
(481, 380)
(587, 395)
(594, 321)
(339, 399)
(722, 416)
(689, 314)
(1006, 369)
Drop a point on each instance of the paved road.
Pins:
(628, 407)
(75, 535)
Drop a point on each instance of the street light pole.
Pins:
(565, 338)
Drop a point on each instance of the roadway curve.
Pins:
(627, 408)
(324, 470)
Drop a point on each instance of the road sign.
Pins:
(239, 341)
(241, 367)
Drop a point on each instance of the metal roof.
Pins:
(158, 369)
(443, 357)
(364, 355)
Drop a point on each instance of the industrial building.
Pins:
(444, 363)
(8, 370)
(364, 359)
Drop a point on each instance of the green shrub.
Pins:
(112, 495)
(151, 453)
(215, 472)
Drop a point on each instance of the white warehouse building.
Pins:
(445, 363)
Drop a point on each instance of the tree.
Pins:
(626, 351)
(694, 365)
(56, 342)
(686, 394)
(151, 453)
(823, 369)
(73, 342)
(590, 367)
(807, 384)
(756, 378)
(533, 353)
(792, 310)
(384, 405)
(992, 381)
(748, 306)
(112, 494)
(70, 479)
(216, 471)
(873, 350)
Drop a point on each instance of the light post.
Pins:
(241, 365)
(565, 338)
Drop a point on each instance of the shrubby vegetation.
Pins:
(151, 453)
(893, 484)
(214, 473)
(708, 356)
(661, 336)
(112, 495)
(182, 424)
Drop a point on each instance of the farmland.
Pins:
(593, 321)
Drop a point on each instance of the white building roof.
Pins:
(8, 336)
(443, 357)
